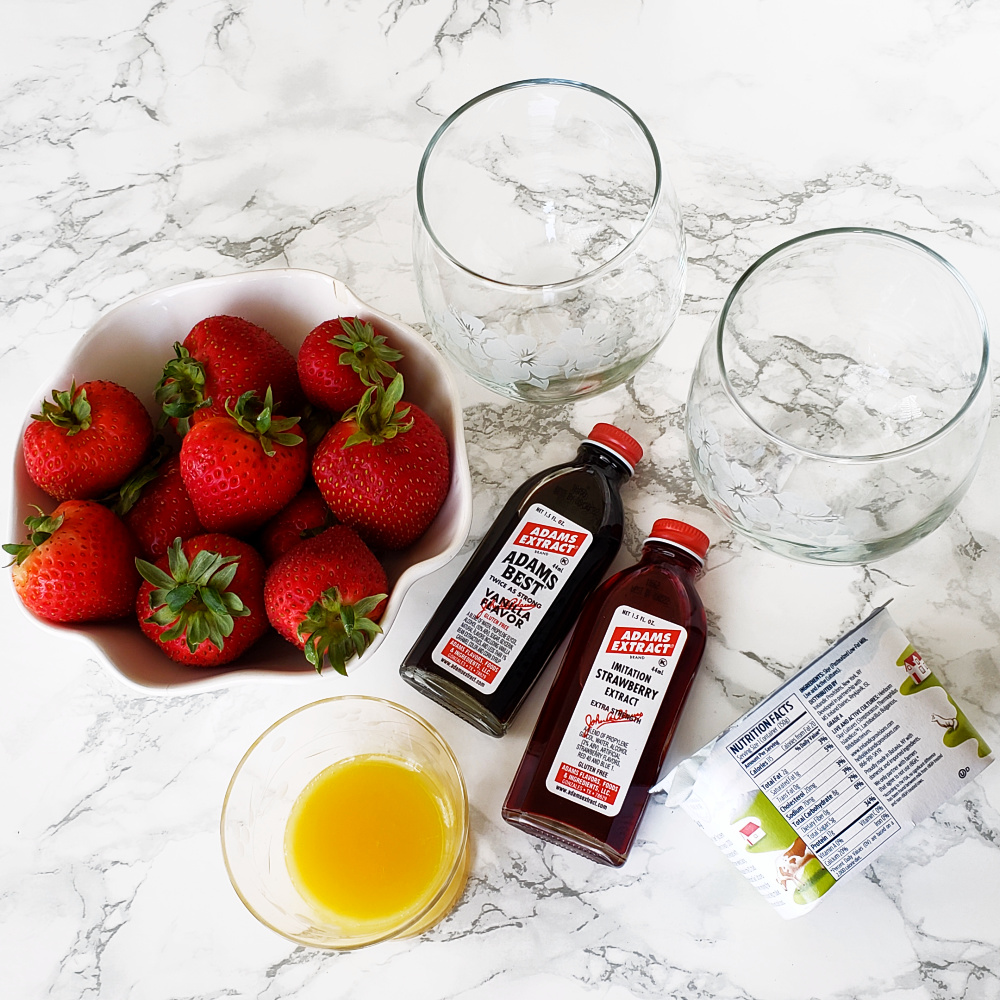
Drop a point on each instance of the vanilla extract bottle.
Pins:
(607, 721)
(519, 594)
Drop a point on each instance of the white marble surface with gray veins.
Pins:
(146, 144)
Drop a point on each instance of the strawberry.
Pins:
(339, 359)
(220, 359)
(87, 440)
(77, 564)
(240, 469)
(155, 504)
(325, 596)
(383, 468)
(203, 602)
(305, 516)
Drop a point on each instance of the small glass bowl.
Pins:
(278, 767)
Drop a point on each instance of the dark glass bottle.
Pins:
(519, 594)
(605, 726)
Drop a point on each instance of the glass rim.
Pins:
(453, 871)
(568, 283)
(860, 459)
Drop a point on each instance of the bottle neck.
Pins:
(655, 551)
(616, 469)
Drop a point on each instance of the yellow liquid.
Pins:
(368, 841)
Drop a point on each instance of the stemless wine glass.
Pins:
(839, 408)
(548, 243)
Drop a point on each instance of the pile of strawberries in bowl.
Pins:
(238, 476)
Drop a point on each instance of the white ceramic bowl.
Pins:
(131, 343)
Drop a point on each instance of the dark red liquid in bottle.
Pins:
(607, 721)
(519, 594)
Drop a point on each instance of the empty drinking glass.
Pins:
(840, 405)
(548, 244)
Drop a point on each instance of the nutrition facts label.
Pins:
(820, 777)
(814, 784)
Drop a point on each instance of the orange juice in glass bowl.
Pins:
(346, 823)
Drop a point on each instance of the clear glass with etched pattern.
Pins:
(548, 243)
(839, 408)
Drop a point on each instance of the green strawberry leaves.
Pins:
(338, 631)
(365, 351)
(181, 389)
(69, 409)
(191, 599)
(127, 495)
(40, 529)
(256, 416)
(376, 415)
(314, 423)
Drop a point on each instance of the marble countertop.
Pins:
(146, 144)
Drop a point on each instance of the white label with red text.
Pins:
(521, 584)
(614, 715)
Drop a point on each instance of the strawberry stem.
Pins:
(256, 416)
(69, 410)
(365, 351)
(380, 415)
(314, 423)
(337, 631)
(190, 599)
(181, 389)
(127, 495)
(40, 529)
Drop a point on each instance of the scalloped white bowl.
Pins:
(130, 344)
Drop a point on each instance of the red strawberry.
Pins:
(203, 602)
(325, 596)
(155, 505)
(383, 474)
(305, 516)
(242, 468)
(339, 359)
(87, 440)
(77, 565)
(222, 358)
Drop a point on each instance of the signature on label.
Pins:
(506, 604)
(596, 721)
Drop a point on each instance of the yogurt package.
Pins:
(813, 782)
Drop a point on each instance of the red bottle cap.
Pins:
(615, 439)
(682, 536)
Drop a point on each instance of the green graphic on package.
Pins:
(920, 680)
(816, 780)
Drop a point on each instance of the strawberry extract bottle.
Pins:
(605, 726)
(519, 594)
